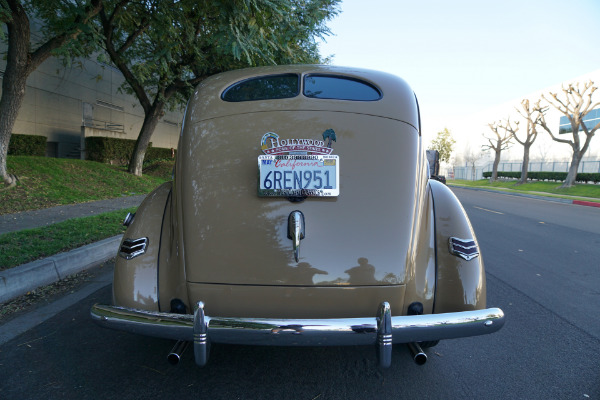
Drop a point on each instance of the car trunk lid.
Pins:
(361, 237)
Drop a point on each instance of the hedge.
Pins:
(546, 176)
(27, 145)
(159, 153)
(118, 151)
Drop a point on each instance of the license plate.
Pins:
(299, 176)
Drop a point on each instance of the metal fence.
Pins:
(475, 173)
(466, 173)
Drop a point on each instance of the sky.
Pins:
(464, 56)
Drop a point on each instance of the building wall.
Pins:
(60, 100)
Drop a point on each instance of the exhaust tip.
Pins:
(419, 356)
(173, 358)
(420, 359)
(175, 354)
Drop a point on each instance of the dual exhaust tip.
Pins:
(417, 353)
(177, 351)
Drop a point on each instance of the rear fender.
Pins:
(171, 270)
(135, 279)
(460, 283)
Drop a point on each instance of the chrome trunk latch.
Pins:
(296, 231)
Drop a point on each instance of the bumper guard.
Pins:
(382, 330)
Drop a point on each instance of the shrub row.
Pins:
(118, 151)
(159, 153)
(27, 145)
(505, 174)
(109, 150)
(546, 176)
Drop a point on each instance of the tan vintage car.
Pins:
(301, 213)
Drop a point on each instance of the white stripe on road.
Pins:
(485, 209)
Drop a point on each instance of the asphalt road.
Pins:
(547, 250)
(543, 271)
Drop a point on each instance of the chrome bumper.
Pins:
(382, 330)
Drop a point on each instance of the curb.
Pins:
(586, 203)
(17, 281)
(13, 328)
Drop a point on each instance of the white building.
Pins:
(66, 104)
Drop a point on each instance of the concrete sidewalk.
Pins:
(49, 216)
(24, 278)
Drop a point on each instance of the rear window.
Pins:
(340, 88)
(264, 88)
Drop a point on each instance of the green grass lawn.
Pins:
(17, 248)
(45, 182)
(579, 191)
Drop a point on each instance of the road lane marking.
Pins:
(485, 209)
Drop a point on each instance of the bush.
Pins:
(109, 150)
(588, 177)
(503, 174)
(118, 151)
(158, 153)
(27, 145)
(546, 176)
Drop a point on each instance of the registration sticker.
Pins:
(298, 175)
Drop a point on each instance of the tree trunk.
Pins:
(494, 177)
(525, 167)
(572, 174)
(13, 83)
(141, 145)
(13, 92)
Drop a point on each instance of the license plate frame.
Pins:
(298, 176)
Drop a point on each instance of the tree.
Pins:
(499, 142)
(532, 116)
(443, 143)
(575, 105)
(471, 157)
(66, 23)
(165, 48)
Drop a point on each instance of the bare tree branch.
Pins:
(577, 103)
(500, 142)
(533, 116)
